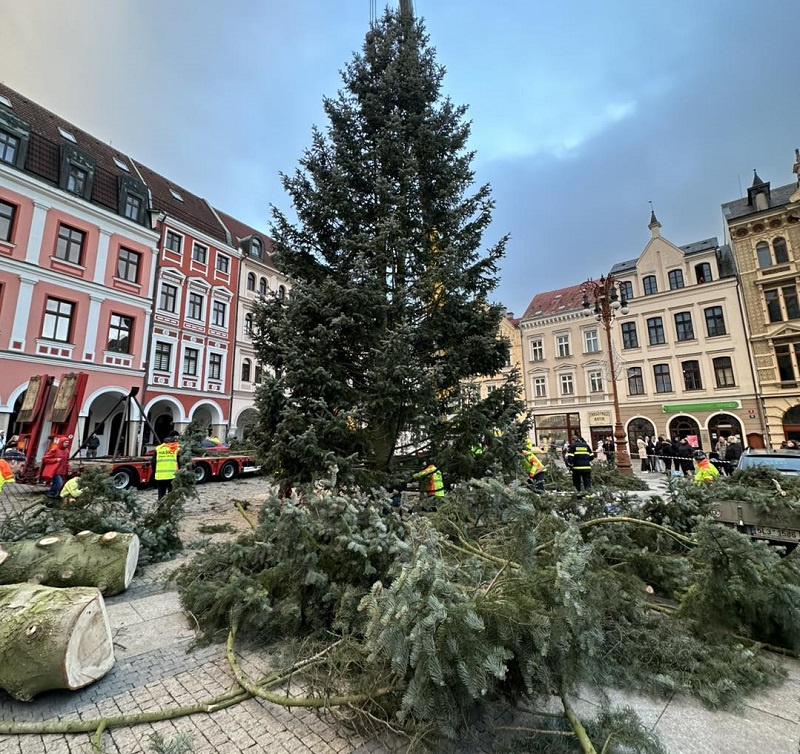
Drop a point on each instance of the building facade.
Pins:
(677, 358)
(764, 232)
(77, 262)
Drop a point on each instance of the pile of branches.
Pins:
(498, 596)
(102, 508)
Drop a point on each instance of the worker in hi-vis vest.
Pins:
(430, 481)
(165, 462)
(10, 463)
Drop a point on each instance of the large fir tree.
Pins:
(389, 311)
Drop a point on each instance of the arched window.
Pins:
(262, 286)
(682, 426)
(649, 285)
(281, 291)
(639, 427)
(246, 370)
(675, 279)
(763, 253)
(251, 281)
(702, 272)
(255, 248)
(780, 250)
(248, 324)
(258, 374)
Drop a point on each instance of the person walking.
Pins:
(92, 444)
(165, 463)
(641, 446)
(55, 466)
(11, 462)
(533, 467)
(579, 461)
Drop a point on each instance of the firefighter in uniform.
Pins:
(165, 462)
(579, 460)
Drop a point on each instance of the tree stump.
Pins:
(106, 561)
(52, 639)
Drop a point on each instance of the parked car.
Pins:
(783, 461)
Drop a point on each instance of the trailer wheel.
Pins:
(201, 473)
(228, 471)
(124, 477)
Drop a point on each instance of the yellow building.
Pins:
(764, 231)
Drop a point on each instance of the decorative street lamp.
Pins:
(607, 304)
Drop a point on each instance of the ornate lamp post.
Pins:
(607, 303)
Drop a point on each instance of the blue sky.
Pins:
(582, 111)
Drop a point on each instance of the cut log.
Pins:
(105, 561)
(52, 639)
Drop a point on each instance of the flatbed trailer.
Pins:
(138, 471)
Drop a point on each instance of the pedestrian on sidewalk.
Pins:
(579, 460)
(642, 452)
(664, 453)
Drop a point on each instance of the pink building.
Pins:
(77, 265)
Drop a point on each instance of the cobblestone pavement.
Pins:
(155, 670)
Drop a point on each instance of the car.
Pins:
(784, 461)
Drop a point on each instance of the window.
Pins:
(163, 356)
(591, 342)
(626, 290)
(132, 209)
(200, 253)
(7, 214)
(723, 372)
(650, 285)
(255, 248)
(715, 321)
(76, 180)
(790, 308)
(195, 307)
(655, 331)
(9, 147)
(246, 370)
(540, 387)
(119, 334)
(67, 135)
(190, 362)
(128, 265)
(175, 194)
(562, 345)
(169, 298)
(691, 375)
(567, 384)
(663, 380)
(69, 245)
(675, 278)
(684, 330)
(215, 366)
(258, 372)
(248, 324)
(764, 255)
(262, 286)
(780, 251)
(629, 337)
(251, 281)
(702, 272)
(596, 382)
(173, 242)
(223, 263)
(218, 311)
(57, 323)
(537, 350)
(281, 291)
(635, 381)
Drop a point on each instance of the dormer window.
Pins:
(702, 272)
(14, 136)
(77, 172)
(132, 199)
(9, 148)
(256, 249)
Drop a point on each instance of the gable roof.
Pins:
(239, 231)
(740, 208)
(553, 302)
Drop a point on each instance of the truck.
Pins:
(44, 402)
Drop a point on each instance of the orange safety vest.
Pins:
(166, 460)
(433, 479)
(6, 475)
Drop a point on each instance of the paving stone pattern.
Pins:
(158, 667)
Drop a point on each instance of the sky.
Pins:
(582, 111)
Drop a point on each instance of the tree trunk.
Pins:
(106, 561)
(52, 639)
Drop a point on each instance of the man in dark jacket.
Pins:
(686, 454)
(733, 453)
(579, 461)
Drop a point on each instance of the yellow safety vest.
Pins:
(433, 479)
(6, 475)
(166, 460)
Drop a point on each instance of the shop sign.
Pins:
(598, 418)
(680, 408)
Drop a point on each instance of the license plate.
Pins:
(771, 532)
